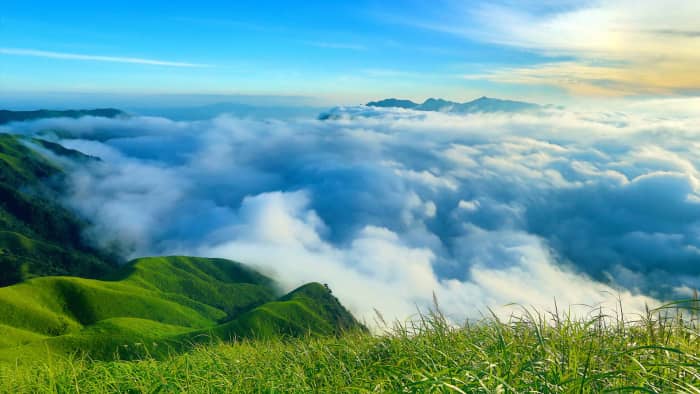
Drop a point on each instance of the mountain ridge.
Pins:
(8, 116)
(481, 104)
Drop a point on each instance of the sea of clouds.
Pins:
(389, 206)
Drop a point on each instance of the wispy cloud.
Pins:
(625, 47)
(336, 45)
(97, 58)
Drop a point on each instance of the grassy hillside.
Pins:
(37, 235)
(537, 354)
(169, 302)
(308, 309)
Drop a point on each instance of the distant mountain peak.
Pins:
(481, 104)
(393, 103)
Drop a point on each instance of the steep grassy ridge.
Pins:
(37, 235)
(308, 309)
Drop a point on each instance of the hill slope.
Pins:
(167, 301)
(38, 236)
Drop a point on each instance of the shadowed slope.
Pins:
(37, 235)
(7, 116)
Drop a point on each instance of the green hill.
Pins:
(38, 236)
(310, 309)
(169, 302)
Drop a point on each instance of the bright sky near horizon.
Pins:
(354, 51)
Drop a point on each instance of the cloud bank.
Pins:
(388, 206)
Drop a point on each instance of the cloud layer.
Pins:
(388, 206)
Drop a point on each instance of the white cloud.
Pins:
(469, 206)
(95, 58)
(387, 206)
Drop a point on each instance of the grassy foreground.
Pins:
(659, 353)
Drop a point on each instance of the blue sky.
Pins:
(347, 52)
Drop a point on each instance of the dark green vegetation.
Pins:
(483, 104)
(38, 236)
(157, 306)
(20, 116)
(531, 354)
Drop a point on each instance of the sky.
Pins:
(336, 52)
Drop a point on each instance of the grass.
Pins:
(658, 353)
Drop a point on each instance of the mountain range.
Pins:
(482, 104)
(7, 116)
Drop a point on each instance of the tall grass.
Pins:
(657, 352)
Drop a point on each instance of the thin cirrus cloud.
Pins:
(336, 45)
(96, 58)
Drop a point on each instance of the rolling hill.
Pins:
(159, 305)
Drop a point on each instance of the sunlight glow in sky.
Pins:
(546, 51)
